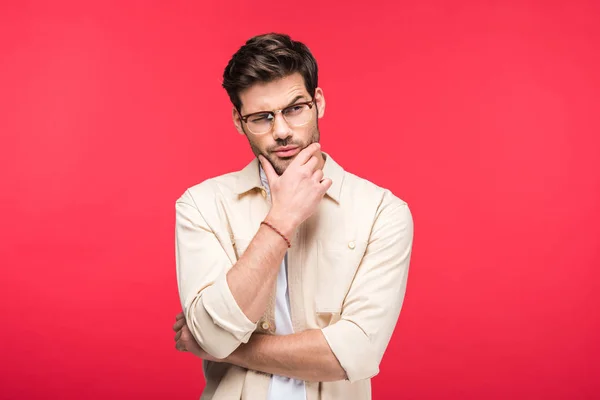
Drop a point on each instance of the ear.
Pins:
(320, 100)
(235, 115)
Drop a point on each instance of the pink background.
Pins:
(483, 116)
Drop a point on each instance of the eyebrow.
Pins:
(295, 100)
(291, 103)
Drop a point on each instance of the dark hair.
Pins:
(265, 58)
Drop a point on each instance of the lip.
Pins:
(286, 151)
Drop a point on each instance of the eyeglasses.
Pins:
(295, 115)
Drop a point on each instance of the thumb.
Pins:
(269, 171)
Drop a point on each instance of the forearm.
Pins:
(304, 356)
(252, 278)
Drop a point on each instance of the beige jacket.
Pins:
(347, 274)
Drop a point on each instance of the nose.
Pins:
(281, 129)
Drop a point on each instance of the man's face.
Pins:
(283, 142)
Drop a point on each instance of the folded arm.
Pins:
(222, 302)
(353, 347)
(304, 356)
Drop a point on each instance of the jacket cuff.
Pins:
(353, 350)
(220, 304)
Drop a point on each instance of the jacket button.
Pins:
(263, 192)
(265, 325)
(351, 245)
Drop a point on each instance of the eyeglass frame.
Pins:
(244, 118)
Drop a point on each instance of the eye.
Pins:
(258, 118)
(292, 110)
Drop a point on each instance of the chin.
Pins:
(280, 166)
(280, 169)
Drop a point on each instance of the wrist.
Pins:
(287, 226)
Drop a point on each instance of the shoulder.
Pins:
(366, 193)
(206, 191)
(388, 217)
(373, 210)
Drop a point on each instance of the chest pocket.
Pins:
(337, 263)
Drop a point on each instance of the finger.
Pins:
(178, 335)
(317, 176)
(180, 346)
(268, 168)
(179, 316)
(325, 184)
(185, 334)
(307, 153)
(178, 325)
(187, 339)
(313, 163)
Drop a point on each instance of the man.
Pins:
(292, 271)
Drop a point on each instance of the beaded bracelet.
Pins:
(277, 230)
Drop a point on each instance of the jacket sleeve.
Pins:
(372, 306)
(212, 314)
